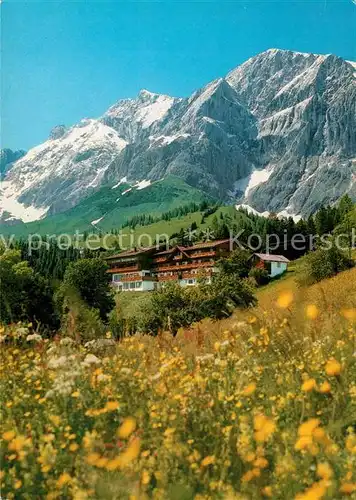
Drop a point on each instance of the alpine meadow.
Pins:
(178, 264)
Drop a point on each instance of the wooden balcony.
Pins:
(118, 270)
(197, 265)
(198, 255)
(168, 278)
(160, 259)
(178, 257)
(138, 277)
(188, 275)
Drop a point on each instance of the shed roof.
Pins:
(271, 258)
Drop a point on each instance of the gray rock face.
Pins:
(306, 109)
(7, 158)
(278, 133)
(205, 140)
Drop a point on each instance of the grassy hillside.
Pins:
(114, 208)
(258, 406)
(174, 225)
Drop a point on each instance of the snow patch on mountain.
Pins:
(154, 111)
(142, 184)
(96, 221)
(282, 214)
(251, 211)
(163, 140)
(17, 210)
(60, 171)
(286, 213)
(121, 181)
(249, 182)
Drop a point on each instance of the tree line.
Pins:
(54, 288)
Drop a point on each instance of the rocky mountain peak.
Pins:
(278, 131)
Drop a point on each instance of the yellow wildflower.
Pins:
(55, 419)
(264, 428)
(315, 492)
(249, 389)
(349, 314)
(17, 443)
(209, 460)
(92, 458)
(309, 385)
(307, 428)
(18, 484)
(260, 462)
(145, 477)
(127, 428)
(348, 488)
(9, 435)
(250, 474)
(324, 471)
(112, 405)
(63, 480)
(332, 367)
(311, 311)
(131, 453)
(285, 299)
(267, 491)
(325, 387)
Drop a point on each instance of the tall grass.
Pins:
(261, 405)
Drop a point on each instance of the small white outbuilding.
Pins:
(274, 264)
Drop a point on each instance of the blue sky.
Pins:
(63, 61)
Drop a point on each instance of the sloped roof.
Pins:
(166, 252)
(207, 244)
(272, 258)
(131, 253)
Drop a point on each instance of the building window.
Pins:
(132, 285)
(138, 284)
(278, 264)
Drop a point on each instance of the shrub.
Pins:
(238, 263)
(324, 263)
(25, 295)
(90, 279)
(78, 320)
(174, 306)
(260, 276)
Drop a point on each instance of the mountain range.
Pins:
(276, 134)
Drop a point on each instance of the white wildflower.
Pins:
(66, 341)
(34, 337)
(205, 357)
(126, 370)
(20, 332)
(90, 359)
(55, 363)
